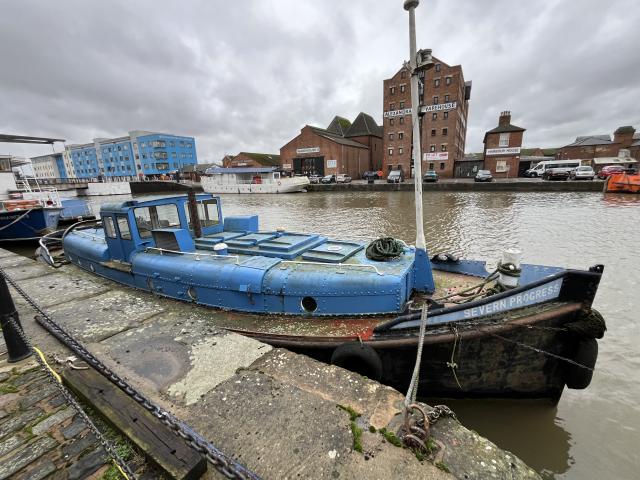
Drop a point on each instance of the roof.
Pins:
(589, 140)
(220, 170)
(198, 167)
(5, 138)
(504, 129)
(614, 160)
(339, 125)
(336, 138)
(635, 144)
(364, 124)
(267, 159)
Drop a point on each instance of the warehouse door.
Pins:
(309, 166)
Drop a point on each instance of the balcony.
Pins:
(160, 155)
(159, 144)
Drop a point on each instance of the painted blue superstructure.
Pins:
(149, 245)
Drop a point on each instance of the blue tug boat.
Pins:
(518, 331)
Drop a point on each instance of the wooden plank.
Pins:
(160, 444)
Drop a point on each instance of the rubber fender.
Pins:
(586, 354)
(358, 358)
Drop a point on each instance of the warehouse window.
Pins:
(438, 67)
(401, 105)
(400, 150)
(446, 115)
(403, 87)
(504, 140)
(390, 152)
(391, 121)
(448, 81)
(391, 136)
(432, 148)
(435, 100)
(392, 90)
(401, 120)
(441, 165)
(446, 98)
(433, 132)
(434, 116)
(445, 131)
(436, 82)
(400, 135)
(430, 165)
(443, 147)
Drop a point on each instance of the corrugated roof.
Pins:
(588, 140)
(268, 159)
(337, 138)
(364, 124)
(339, 125)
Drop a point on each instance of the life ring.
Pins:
(358, 358)
(586, 354)
(279, 183)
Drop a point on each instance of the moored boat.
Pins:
(251, 180)
(627, 181)
(520, 331)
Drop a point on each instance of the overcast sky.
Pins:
(247, 75)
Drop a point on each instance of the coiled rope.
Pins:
(384, 249)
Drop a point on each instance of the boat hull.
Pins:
(28, 224)
(623, 183)
(286, 185)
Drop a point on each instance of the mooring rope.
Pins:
(412, 392)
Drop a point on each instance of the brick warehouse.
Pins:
(343, 147)
(444, 106)
(502, 148)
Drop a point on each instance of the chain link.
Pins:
(108, 447)
(220, 461)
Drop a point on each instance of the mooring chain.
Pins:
(106, 444)
(225, 465)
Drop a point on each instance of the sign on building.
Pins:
(503, 151)
(332, 163)
(397, 113)
(286, 166)
(308, 150)
(438, 107)
(435, 156)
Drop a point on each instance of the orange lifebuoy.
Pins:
(12, 205)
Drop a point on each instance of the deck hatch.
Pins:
(332, 252)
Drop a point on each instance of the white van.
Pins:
(541, 167)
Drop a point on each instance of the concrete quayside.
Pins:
(280, 414)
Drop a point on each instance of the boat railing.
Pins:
(197, 255)
(339, 265)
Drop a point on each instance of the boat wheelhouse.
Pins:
(251, 180)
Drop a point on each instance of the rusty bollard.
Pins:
(17, 349)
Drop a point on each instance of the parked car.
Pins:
(483, 176)
(314, 178)
(395, 176)
(370, 174)
(555, 174)
(582, 173)
(328, 179)
(430, 176)
(342, 178)
(609, 170)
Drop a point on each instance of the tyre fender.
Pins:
(358, 358)
(586, 354)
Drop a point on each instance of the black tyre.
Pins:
(586, 354)
(358, 358)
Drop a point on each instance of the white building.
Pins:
(45, 166)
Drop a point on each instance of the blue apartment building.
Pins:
(141, 154)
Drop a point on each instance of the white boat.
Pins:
(251, 180)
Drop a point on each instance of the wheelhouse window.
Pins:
(123, 226)
(109, 227)
(207, 211)
(159, 216)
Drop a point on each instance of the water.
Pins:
(590, 434)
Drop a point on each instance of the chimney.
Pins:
(505, 118)
(624, 136)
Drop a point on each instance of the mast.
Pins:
(418, 61)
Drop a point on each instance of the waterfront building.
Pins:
(250, 159)
(138, 155)
(601, 150)
(502, 146)
(341, 148)
(48, 166)
(444, 105)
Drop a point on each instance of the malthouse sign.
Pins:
(438, 107)
(397, 113)
(435, 156)
(503, 151)
(308, 150)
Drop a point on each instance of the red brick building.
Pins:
(595, 146)
(444, 106)
(502, 148)
(250, 159)
(342, 147)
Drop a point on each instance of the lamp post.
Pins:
(418, 61)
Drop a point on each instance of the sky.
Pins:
(248, 75)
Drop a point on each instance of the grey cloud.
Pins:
(248, 75)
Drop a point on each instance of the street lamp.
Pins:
(418, 61)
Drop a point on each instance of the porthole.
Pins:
(193, 294)
(309, 304)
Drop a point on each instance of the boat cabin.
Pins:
(245, 175)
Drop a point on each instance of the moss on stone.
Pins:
(8, 388)
(372, 429)
(443, 466)
(357, 436)
(352, 413)
(391, 437)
